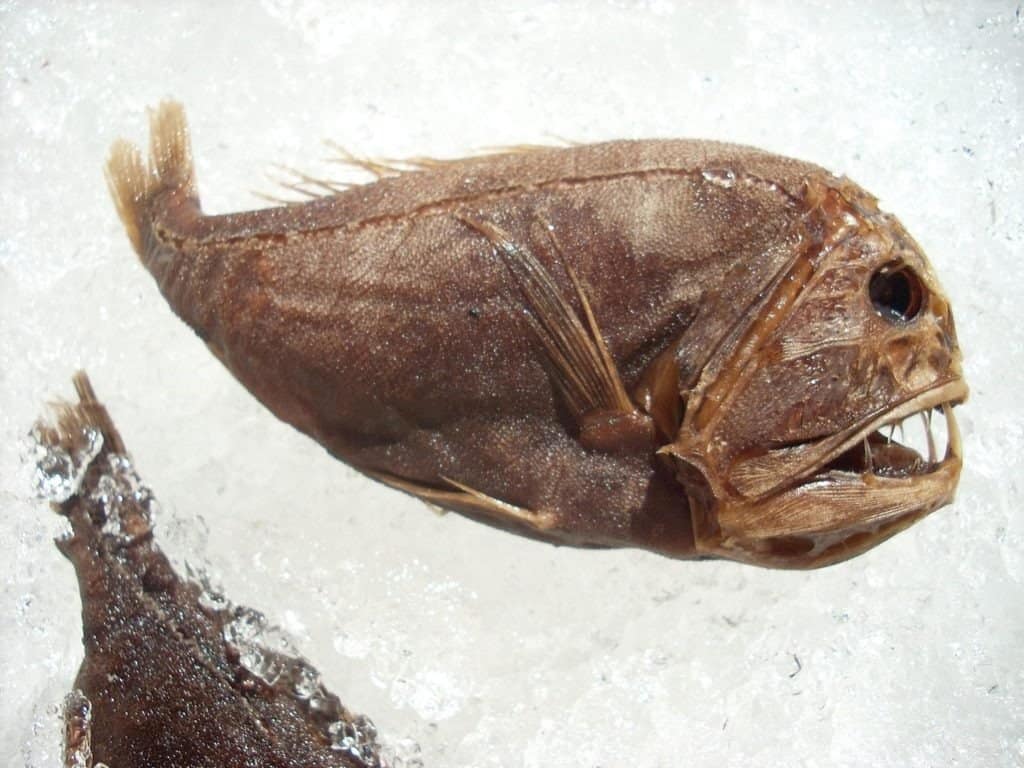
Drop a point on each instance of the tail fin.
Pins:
(72, 419)
(133, 183)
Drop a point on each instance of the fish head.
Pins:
(792, 448)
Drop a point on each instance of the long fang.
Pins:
(953, 447)
(927, 419)
(868, 463)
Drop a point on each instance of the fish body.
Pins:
(664, 344)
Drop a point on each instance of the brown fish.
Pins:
(173, 675)
(685, 346)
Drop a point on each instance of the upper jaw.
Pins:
(866, 451)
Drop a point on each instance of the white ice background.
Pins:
(486, 649)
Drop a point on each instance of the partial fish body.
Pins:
(684, 346)
(172, 674)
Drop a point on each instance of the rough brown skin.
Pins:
(663, 344)
(160, 685)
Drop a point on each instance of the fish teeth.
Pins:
(926, 417)
(953, 445)
(917, 431)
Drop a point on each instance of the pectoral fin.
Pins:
(582, 367)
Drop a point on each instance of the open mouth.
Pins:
(916, 438)
(905, 447)
(905, 442)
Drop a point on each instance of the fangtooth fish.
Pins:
(686, 346)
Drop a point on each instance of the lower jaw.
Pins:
(830, 518)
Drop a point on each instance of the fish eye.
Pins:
(897, 293)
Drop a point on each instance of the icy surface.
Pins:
(484, 649)
(56, 472)
(121, 490)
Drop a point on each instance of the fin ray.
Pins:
(380, 169)
(466, 498)
(389, 167)
(309, 185)
(133, 183)
(584, 370)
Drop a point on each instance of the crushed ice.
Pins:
(265, 651)
(305, 680)
(78, 730)
(402, 753)
(123, 495)
(211, 595)
(357, 738)
(58, 471)
(723, 177)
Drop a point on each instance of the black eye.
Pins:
(897, 293)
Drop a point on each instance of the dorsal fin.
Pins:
(381, 169)
(313, 187)
(298, 182)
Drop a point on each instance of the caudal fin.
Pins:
(134, 183)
